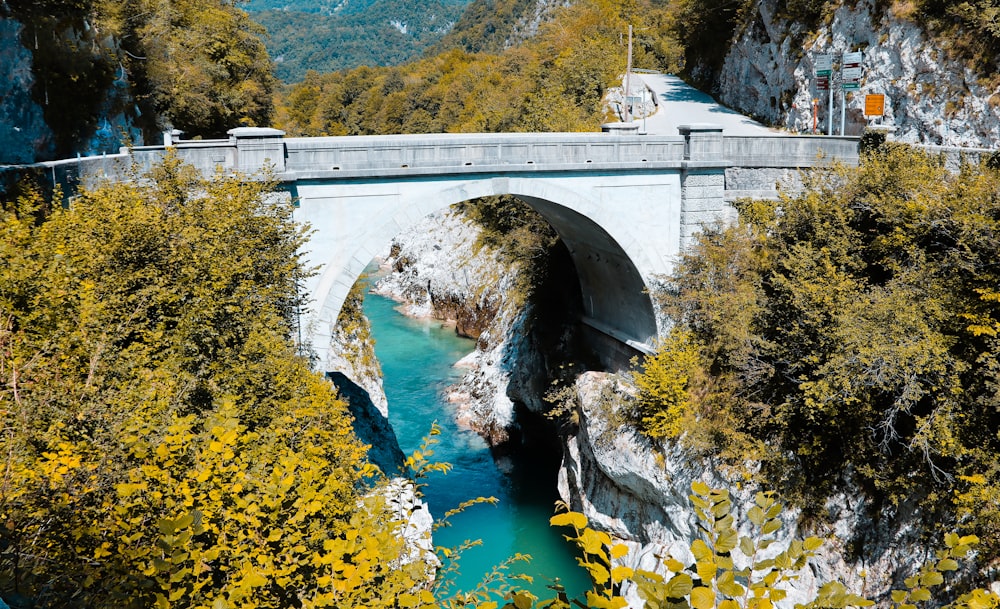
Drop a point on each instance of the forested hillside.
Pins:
(555, 81)
(494, 25)
(315, 36)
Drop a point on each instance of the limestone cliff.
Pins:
(23, 132)
(82, 103)
(638, 491)
(355, 371)
(932, 97)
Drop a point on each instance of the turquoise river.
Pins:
(417, 358)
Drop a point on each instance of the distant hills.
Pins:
(330, 35)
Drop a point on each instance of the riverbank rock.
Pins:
(437, 270)
(372, 427)
(638, 491)
(416, 524)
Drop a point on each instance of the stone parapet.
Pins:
(258, 148)
(702, 141)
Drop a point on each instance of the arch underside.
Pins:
(353, 223)
(618, 313)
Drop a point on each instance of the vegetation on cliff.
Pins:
(736, 565)
(163, 442)
(196, 65)
(850, 333)
(966, 29)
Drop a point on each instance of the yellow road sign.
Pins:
(874, 104)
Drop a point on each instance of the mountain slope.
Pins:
(326, 36)
(494, 25)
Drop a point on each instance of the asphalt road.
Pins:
(680, 104)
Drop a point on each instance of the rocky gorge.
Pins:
(628, 486)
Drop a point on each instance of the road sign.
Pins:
(851, 86)
(874, 104)
(822, 64)
(851, 73)
(853, 59)
(822, 83)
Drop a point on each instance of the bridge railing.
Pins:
(953, 156)
(789, 151)
(72, 174)
(476, 152)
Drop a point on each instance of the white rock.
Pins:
(638, 492)
(931, 98)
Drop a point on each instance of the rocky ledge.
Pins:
(638, 491)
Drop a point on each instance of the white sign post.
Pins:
(850, 78)
(823, 66)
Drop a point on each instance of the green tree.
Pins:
(852, 335)
(164, 444)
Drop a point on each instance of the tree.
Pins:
(849, 336)
(163, 442)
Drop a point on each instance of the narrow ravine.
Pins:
(417, 358)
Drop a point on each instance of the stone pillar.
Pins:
(702, 141)
(171, 137)
(703, 180)
(620, 128)
(257, 148)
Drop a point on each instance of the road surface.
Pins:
(681, 104)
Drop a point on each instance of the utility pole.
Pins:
(628, 74)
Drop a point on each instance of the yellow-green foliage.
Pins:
(519, 234)
(730, 571)
(713, 581)
(850, 328)
(163, 443)
(664, 386)
(554, 82)
(969, 27)
(355, 330)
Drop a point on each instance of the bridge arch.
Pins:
(353, 221)
(624, 204)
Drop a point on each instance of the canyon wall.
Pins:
(931, 97)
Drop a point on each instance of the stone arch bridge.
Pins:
(625, 205)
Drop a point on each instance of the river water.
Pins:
(417, 358)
